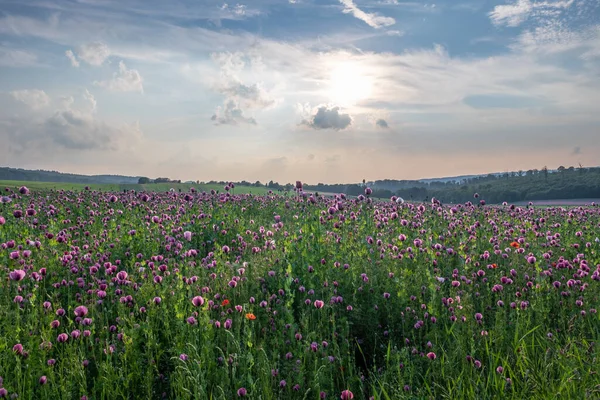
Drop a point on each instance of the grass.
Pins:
(270, 297)
(155, 187)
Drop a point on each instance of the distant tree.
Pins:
(561, 169)
(143, 180)
(545, 172)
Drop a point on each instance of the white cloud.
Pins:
(231, 114)
(372, 19)
(126, 80)
(34, 98)
(16, 58)
(516, 13)
(94, 53)
(71, 56)
(71, 126)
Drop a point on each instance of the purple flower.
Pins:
(346, 394)
(17, 275)
(319, 303)
(81, 311)
(198, 301)
(18, 349)
(242, 392)
(62, 338)
(43, 380)
(431, 355)
(183, 357)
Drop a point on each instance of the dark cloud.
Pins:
(231, 114)
(329, 118)
(382, 123)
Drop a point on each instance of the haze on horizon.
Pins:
(317, 90)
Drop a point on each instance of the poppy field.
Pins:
(206, 295)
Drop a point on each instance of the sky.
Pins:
(313, 90)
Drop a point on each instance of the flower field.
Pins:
(217, 296)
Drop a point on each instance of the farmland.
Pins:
(106, 294)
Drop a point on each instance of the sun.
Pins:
(348, 84)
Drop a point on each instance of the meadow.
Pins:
(204, 295)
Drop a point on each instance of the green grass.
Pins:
(154, 187)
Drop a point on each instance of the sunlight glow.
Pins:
(349, 84)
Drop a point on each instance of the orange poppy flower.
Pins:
(250, 316)
(516, 245)
(494, 266)
(225, 302)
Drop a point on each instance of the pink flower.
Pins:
(319, 303)
(17, 275)
(431, 355)
(81, 311)
(347, 395)
(198, 301)
(18, 348)
(187, 235)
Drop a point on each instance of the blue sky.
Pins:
(316, 90)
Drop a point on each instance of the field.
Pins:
(153, 187)
(114, 295)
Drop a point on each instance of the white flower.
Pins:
(440, 279)
(400, 200)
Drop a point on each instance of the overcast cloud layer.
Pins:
(320, 91)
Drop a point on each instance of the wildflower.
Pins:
(17, 275)
(319, 304)
(500, 369)
(187, 235)
(225, 303)
(431, 355)
(515, 245)
(183, 357)
(347, 394)
(242, 392)
(198, 301)
(250, 316)
(43, 380)
(18, 349)
(81, 311)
